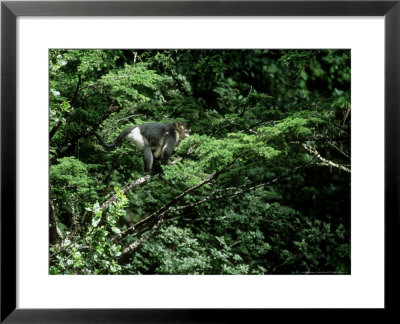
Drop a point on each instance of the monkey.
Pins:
(155, 140)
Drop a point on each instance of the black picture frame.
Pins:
(10, 10)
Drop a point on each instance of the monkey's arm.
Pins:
(167, 151)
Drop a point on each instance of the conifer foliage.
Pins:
(262, 185)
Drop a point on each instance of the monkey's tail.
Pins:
(117, 141)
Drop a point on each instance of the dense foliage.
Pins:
(262, 186)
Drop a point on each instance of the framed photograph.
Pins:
(198, 161)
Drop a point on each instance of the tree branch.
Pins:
(238, 190)
(324, 161)
(136, 183)
(166, 209)
(141, 181)
(55, 232)
(161, 211)
(158, 215)
(320, 139)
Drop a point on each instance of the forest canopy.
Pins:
(261, 185)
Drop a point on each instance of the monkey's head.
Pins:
(183, 129)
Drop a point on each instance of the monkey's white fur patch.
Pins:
(136, 137)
